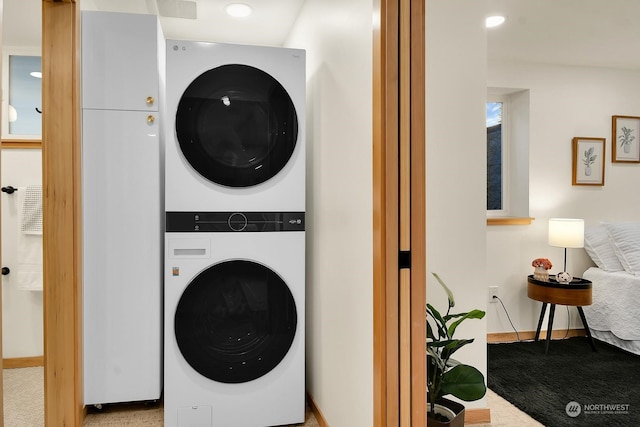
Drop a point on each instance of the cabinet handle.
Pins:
(150, 100)
(5, 271)
(150, 120)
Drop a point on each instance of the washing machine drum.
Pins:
(236, 125)
(235, 321)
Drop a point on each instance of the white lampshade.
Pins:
(566, 232)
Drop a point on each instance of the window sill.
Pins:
(21, 143)
(510, 220)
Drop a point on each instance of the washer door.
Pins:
(236, 125)
(235, 321)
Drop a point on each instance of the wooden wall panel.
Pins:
(399, 214)
(416, 48)
(385, 214)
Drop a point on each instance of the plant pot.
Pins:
(453, 410)
(539, 273)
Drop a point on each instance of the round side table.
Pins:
(577, 293)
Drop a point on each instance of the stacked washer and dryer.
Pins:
(234, 291)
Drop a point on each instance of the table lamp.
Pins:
(566, 233)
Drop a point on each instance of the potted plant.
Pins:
(588, 160)
(626, 139)
(446, 376)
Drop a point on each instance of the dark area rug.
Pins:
(569, 386)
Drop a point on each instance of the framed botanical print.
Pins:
(625, 142)
(588, 161)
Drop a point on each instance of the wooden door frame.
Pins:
(398, 118)
(62, 237)
(399, 193)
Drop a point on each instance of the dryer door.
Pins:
(236, 125)
(235, 321)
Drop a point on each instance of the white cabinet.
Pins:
(121, 50)
(122, 256)
(122, 209)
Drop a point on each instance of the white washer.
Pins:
(234, 319)
(234, 127)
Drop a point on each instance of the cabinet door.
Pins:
(122, 256)
(119, 61)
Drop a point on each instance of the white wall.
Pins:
(22, 325)
(456, 165)
(565, 102)
(337, 35)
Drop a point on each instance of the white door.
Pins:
(122, 266)
(119, 61)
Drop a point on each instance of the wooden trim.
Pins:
(61, 213)
(557, 334)
(510, 221)
(23, 362)
(477, 416)
(21, 143)
(313, 406)
(404, 179)
(1, 361)
(385, 214)
(418, 216)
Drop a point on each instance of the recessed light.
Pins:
(36, 74)
(494, 21)
(238, 10)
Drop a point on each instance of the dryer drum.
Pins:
(235, 321)
(236, 125)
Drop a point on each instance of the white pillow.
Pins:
(625, 238)
(600, 249)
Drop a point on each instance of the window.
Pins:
(497, 144)
(22, 100)
(507, 114)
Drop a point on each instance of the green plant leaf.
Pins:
(435, 357)
(454, 345)
(473, 314)
(430, 335)
(464, 382)
(441, 324)
(452, 302)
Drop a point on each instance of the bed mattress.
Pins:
(615, 307)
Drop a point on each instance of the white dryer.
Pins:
(234, 127)
(234, 319)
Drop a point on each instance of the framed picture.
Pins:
(625, 139)
(588, 161)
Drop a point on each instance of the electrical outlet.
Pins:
(493, 294)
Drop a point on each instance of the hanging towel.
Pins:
(31, 210)
(29, 245)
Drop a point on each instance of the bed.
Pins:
(614, 315)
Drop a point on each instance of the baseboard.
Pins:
(22, 362)
(498, 337)
(313, 406)
(477, 416)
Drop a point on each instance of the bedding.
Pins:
(613, 315)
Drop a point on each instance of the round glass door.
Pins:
(236, 125)
(235, 321)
